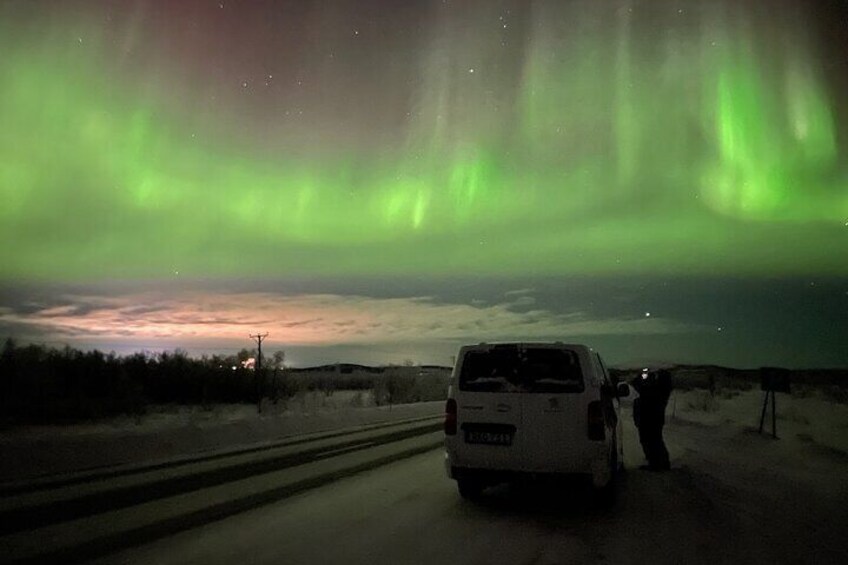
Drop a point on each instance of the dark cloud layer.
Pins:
(740, 322)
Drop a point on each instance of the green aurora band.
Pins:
(591, 146)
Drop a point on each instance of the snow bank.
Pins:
(810, 418)
(172, 431)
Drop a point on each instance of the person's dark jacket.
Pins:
(654, 391)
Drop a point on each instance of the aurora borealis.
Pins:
(416, 157)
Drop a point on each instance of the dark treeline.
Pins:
(40, 384)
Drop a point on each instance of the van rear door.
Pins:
(554, 414)
(489, 414)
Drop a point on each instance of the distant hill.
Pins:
(684, 375)
(349, 368)
(702, 376)
(340, 368)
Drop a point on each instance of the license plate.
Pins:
(488, 438)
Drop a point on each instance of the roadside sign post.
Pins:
(772, 380)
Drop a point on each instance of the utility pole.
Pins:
(258, 338)
(257, 369)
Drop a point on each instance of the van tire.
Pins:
(469, 488)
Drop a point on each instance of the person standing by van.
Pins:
(654, 390)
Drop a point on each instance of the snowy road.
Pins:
(733, 497)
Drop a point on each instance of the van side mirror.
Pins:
(622, 390)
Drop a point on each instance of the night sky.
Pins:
(380, 180)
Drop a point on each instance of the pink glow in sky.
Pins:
(312, 319)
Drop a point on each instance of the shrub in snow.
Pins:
(702, 401)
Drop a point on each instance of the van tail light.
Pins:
(596, 421)
(450, 417)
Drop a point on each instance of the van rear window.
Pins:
(514, 368)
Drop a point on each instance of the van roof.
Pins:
(484, 344)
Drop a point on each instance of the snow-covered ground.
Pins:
(173, 431)
(803, 422)
(732, 496)
(787, 499)
(806, 419)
